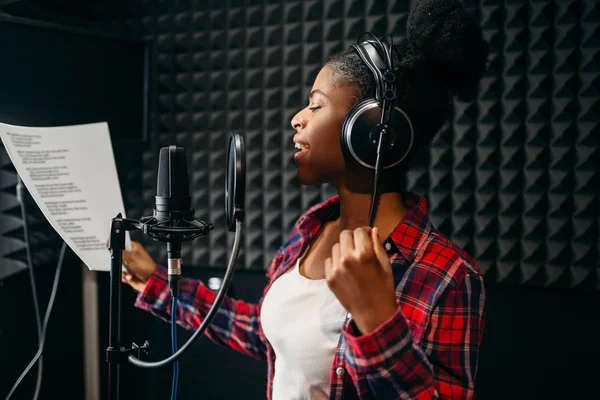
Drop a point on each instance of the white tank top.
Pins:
(302, 319)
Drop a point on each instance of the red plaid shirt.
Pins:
(428, 349)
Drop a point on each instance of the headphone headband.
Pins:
(377, 57)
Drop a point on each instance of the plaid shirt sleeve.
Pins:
(442, 365)
(236, 323)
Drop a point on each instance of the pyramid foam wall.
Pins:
(512, 177)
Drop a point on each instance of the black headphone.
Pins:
(366, 120)
(376, 133)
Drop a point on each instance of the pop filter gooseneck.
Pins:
(234, 201)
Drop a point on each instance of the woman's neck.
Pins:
(355, 209)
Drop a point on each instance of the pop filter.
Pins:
(235, 181)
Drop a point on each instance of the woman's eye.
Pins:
(315, 108)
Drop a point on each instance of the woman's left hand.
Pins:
(359, 273)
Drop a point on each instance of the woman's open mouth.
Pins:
(302, 150)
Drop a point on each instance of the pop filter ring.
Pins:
(235, 181)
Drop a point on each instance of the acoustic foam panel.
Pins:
(512, 177)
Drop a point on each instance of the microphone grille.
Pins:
(163, 181)
(172, 180)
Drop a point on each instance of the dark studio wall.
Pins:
(512, 177)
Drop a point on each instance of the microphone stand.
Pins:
(115, 353)
(159, 231)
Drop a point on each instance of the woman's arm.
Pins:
(236, 323)
(444, 363)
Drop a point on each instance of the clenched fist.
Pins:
(359, 273)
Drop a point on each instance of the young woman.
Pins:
(393, 311)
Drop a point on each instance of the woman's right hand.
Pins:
(140, 266)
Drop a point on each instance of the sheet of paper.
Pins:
(71, 174)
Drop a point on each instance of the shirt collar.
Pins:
(405, 239)
(317, 215)
(413, 229)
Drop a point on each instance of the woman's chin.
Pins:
(317, 173)
(307, 179)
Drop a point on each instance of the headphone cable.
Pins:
(378, 167)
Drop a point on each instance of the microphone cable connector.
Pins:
(174, 275)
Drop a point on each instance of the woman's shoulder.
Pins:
(446, 259)
(454, 252)
(437, 266)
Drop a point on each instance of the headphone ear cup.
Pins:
(360, 132)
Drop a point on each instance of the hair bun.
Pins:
(447, 36)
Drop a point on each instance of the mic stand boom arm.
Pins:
(115, 353)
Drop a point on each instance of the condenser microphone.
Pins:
(172, 204)
(173, 219)
(173, 200)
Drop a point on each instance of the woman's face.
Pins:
(318, 129)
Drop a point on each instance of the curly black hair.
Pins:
(443, 55)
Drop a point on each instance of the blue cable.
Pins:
(174, 346)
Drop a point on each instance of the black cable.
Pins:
(211, 313)
(36, 304)
(46, 317)
(378, 166)
(383, 122)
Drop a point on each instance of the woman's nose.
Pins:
(298, 121)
